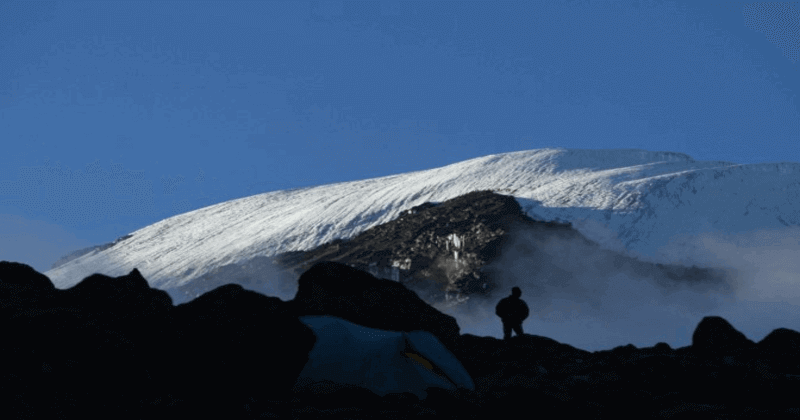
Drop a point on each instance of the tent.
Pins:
(380, 360)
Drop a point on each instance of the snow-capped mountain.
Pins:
(633, 201)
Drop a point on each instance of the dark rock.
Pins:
(14, 274)
(436, 248)
(782, 347)
(241, 337)
(331, 288)
(122, 299)
(416, 209)
(715, 334)
(116, 345)
(444, 251)
(21, 287)
(662, 347)
(84, 342)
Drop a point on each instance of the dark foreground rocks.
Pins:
(116, 348)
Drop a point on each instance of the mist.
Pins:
(577, 296)
(258, 274)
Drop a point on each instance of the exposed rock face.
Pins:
(437, 248)
(117, 345)
(440, 250)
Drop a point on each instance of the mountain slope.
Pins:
(83, 251)
(456, 250)
(433, 248)
(627, 200)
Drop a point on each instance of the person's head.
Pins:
(516, 291)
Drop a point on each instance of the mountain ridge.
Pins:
(626, 200)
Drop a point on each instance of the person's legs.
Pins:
(506, 331)
(518, 328)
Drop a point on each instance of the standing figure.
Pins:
(512, 311)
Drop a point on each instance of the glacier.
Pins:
(652, 205)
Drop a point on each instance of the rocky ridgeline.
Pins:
(441, 250)
(116, 348)
(437, 247)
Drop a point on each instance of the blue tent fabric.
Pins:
(380, 360)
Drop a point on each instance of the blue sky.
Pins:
(115, 115)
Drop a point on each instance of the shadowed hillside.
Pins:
(116, 344)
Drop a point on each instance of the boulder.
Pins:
(331, 288)
(124, 299)
(239, 338)
(21, 287)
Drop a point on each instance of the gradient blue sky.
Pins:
(115, 115)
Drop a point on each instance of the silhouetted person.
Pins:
(512, 311)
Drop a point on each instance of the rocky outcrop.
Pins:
(445, 252)
(436, 248)
(330, 288)
(117, 345)
(441, 250)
